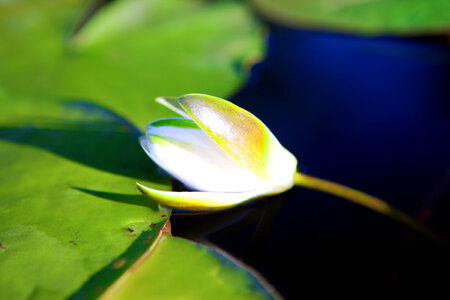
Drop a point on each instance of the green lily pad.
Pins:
(68, 203)
(192, 270)
(395, 17)
(72, 102)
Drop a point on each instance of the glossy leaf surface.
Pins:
(190, 271)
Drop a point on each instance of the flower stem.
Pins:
(368, 201)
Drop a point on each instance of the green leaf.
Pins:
(394, 17)
(194, 49)
(68, 203)
(180, 267)
(72, 103)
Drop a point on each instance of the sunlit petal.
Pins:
(197, 200)
(243, 137)
(181, 148)
(172, 104)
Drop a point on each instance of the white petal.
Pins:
(244, 137)
(187, 153)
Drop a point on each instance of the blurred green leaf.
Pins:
(195, 46)
(397, 17)
(74, 94)
(179, 268)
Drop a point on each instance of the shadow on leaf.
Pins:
(99, 282)
(132, 199)
(99, 138)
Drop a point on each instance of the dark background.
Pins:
(372, 113)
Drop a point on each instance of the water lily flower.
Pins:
(228, 156)
(218, 149)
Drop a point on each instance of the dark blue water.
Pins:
(373, 114)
